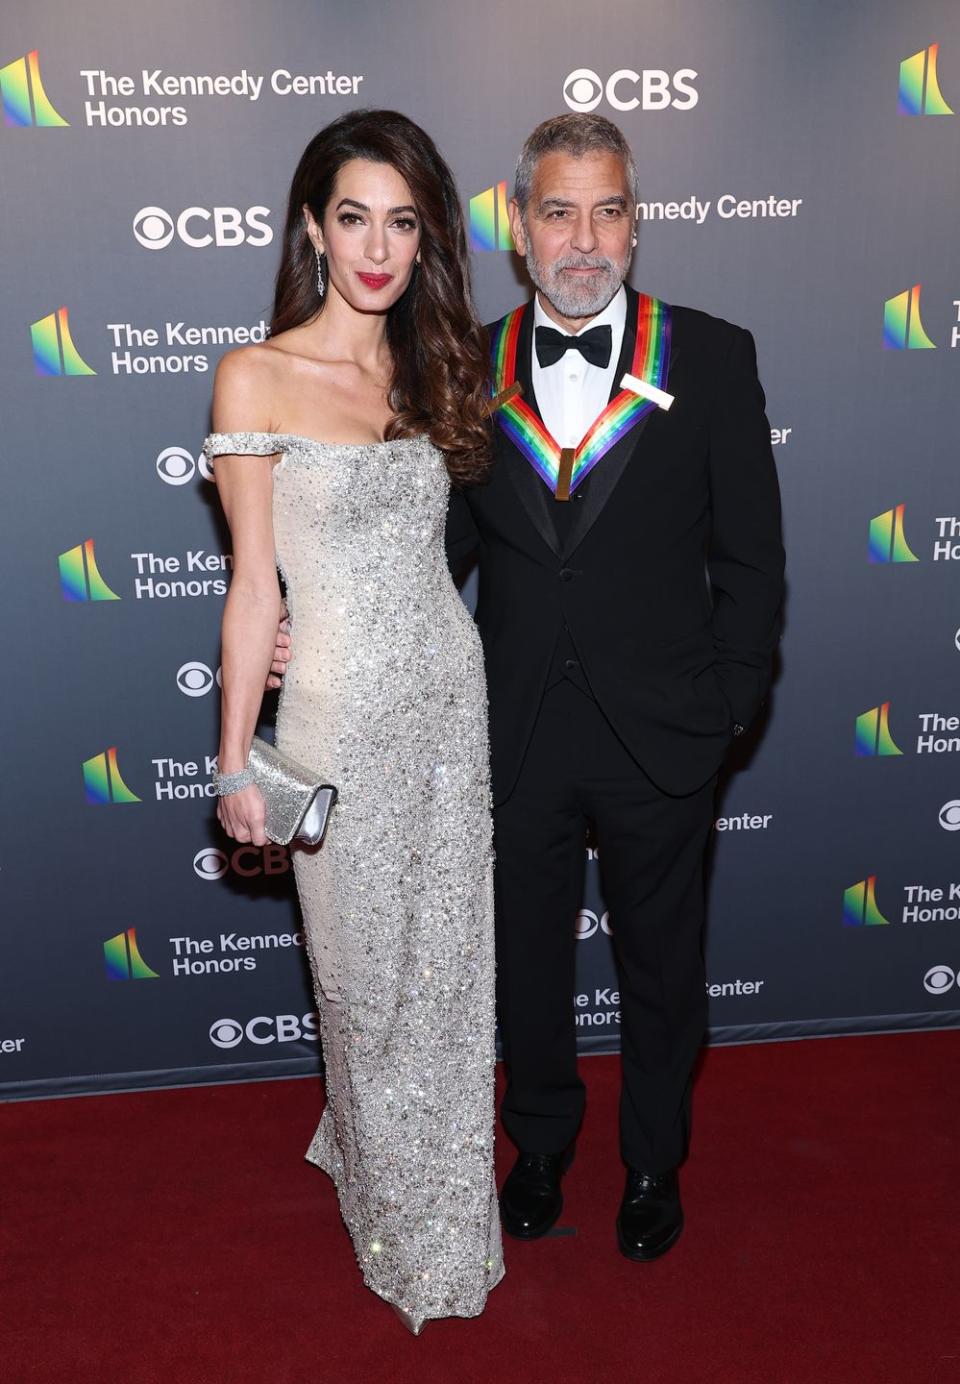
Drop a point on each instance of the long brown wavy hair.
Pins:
(440, 360)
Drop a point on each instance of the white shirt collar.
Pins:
(614, 314)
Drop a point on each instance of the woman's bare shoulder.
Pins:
(245, 389)
(248, 366)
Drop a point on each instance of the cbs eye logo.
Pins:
(153, 228)
(176, 466)
(939, 979)
(211, 864)
(950, 815)
(198, 227)
(226, 1033)
(584, 89)
(196, 679)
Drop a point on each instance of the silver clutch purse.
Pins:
(297, 800)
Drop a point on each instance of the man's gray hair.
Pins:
(571, 134)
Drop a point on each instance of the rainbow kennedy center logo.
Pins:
(103, 782)
(873, 733)
(922, 903)
(920, 92)
(935, 734)
(489, 222)
(860, 904)
(53, 350)
(80, 578)
(122, 959)
(24, 100)
(902, 327)
(886, 541)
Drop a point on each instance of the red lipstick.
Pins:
(375, 280)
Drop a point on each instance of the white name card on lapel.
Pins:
(647, 391)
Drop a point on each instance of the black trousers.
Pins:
(651, 849)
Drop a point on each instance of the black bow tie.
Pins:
(595, 345)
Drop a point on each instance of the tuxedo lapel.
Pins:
(607, 473)
(530, 488)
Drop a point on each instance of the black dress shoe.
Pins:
(531, 1200)
(651, 1217)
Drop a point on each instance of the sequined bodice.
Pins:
(382, 500)
(391, 493)
(359, 532)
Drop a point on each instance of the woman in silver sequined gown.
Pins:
(386, 696)
(386, 699)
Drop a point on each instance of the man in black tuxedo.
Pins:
(629, 631)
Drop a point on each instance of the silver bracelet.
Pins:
(232, 783)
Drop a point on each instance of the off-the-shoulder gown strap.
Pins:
(245, 444)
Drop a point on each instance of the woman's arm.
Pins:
(252, 609)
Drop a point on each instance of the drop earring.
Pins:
(321, 286)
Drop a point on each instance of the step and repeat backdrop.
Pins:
(799, 169)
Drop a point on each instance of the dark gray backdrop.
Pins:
(798, 103)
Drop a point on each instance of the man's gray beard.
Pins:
(578, 299)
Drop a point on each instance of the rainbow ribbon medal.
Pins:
(563, 468)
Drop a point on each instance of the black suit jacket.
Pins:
(670, 578)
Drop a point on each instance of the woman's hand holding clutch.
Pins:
(242, 815)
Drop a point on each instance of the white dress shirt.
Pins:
(572, 393)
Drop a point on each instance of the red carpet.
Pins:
(178, 1236)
